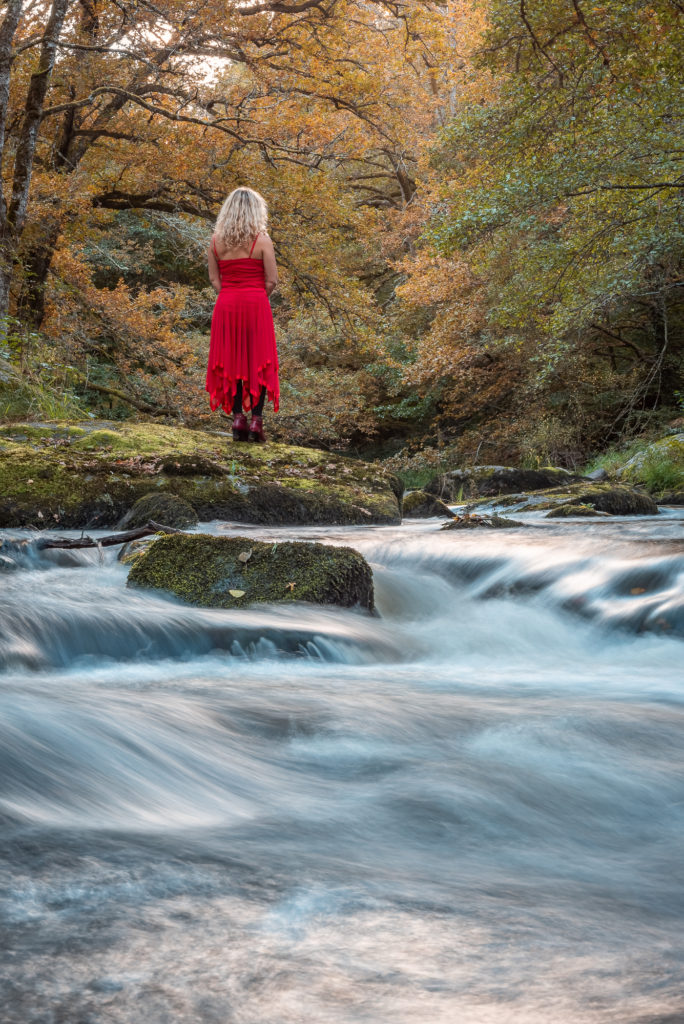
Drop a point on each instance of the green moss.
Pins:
(472, 522)
(91, 474)
(202, 570)
(39, 432)
(571, 510)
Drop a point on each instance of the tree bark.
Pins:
(13, 223)
(8, 27)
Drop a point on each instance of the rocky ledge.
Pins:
(489, 481)
(231, 572)
(599, 497)
(91, 475)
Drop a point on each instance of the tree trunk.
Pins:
(36, 262)
(13, 223)
(7, 30)
(8, 27)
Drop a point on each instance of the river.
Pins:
(468, 809)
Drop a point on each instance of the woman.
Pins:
(243, 359)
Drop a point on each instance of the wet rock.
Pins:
(671, 498)
(167, 509)
(472, 522)
(571, 510)
(130, 553)
(619, 501)
(485, 481)
(420, 505)
(231, 572)
(597, 474)
(614, 499)
(91, 474)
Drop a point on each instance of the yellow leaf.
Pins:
(236, 593)
(638, 590)
(290, 586)
(245, 556)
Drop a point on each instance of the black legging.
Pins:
(257, 409)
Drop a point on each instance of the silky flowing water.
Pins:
(468, 809)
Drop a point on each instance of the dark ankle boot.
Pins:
(256, 429)
(240, 427)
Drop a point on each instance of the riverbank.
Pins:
(91, 474)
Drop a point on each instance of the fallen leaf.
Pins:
(29, 481)
(236, 593)
(245, 556)
(40, 515)
(638, 590)
(290, 586)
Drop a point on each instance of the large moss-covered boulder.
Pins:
(488, 481)
(91, 474)
(230, 572)
(421, 505)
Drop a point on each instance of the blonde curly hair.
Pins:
(243, 215)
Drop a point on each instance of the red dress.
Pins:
(243, 343)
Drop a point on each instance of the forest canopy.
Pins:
(476, 208)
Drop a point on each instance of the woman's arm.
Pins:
(214, 275)
(270, 268)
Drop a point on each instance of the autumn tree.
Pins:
(560, 193)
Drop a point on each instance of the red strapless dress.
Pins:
(243, 343)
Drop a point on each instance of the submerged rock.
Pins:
(231, 572)
(92, 474)
(167, 509)
(489, 481)
(420, 505)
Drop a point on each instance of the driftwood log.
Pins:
(106, 542)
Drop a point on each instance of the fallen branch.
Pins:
(105, 542)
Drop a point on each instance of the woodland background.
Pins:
(476, 208)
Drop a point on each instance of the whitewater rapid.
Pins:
(468, 808)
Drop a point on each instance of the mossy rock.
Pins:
(167, 509)
(473, 522)
(671, 498)
(231, 572)
(611, 498)
(420, 505)
(91, 474)
(488, 481)
(619, 501)
(659, 466)
(572, 510)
